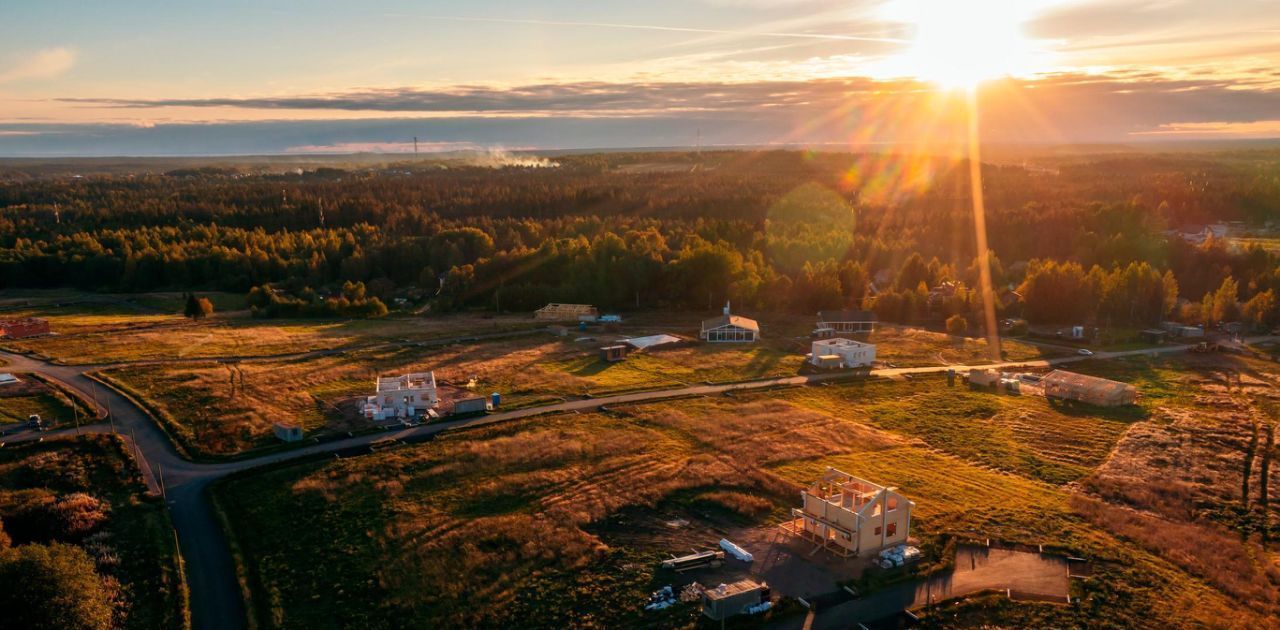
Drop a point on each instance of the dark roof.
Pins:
(846, 316)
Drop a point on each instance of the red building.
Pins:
(19, 328)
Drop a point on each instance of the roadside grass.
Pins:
(31, 395)
(48, 406)
(914, 347)
(135, 546)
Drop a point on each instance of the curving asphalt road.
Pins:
(216, 600)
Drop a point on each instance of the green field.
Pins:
(134, 547)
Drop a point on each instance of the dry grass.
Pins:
(912, 347)
(1242, 570)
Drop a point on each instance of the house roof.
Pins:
(846, 316)
(650, 341)
(1074, 379)
(728, 320)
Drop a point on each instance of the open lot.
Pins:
(112, 333)
(210, 414)
(18, 401)
(561, 520)
(126, 533)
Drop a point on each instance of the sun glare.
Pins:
(960, 43)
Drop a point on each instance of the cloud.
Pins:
(1066, 107)
(1073, 102)
(42, 64)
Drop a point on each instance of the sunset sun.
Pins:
(960, 44)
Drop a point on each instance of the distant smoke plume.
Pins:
(498, 158)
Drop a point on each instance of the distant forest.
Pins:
(1082, 239)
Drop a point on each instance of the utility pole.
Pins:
(160, 476)
(415, 146)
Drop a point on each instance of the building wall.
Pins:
(873, 527)
(851, 356)
(727, 334)
(850, 327)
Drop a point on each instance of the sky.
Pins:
(256, 77)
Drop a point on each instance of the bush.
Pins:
(52, 587)
(40, 517)
(957, 325)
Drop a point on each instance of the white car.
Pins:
(1084, 353)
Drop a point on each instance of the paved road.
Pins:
(216, 600)
(977, 569)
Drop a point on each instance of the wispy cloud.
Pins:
(659, 27)
(42, 64)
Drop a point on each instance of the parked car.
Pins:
(34, 422)
(1084, 352)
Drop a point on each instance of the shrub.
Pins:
(52, 587)
(40, 517)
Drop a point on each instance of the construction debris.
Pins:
(899, 555)
(691, 593)
(661, 599)
(699, 560)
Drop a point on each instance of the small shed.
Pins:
(613, 354)
(22, 328)
(479, 404)
(727, 600)
(1154, 335)
(286, 432)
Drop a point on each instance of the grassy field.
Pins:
(534, 523)
(211, 416)
(911, 347)
(18, 401)
(86, 337)
(1022, 434)
(133, 546)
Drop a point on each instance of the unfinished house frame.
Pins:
(402, 396)
(848, 516)
(556, 312)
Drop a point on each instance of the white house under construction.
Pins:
(848, 516)
(404, 396)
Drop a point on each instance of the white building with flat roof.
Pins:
(841, 353)
(406, 396)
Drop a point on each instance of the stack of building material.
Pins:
(736, 551)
